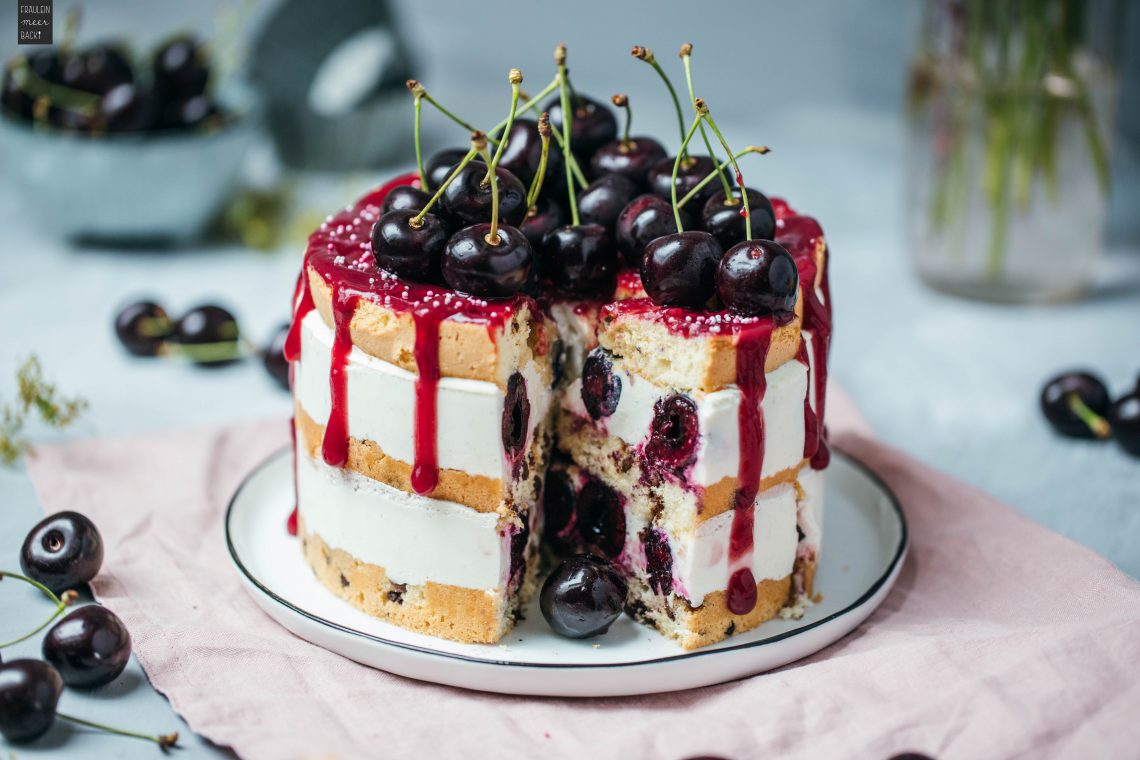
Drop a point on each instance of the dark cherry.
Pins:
(473, 265)
(582, 597)
(516, 416)
(15, 100)
(689, 175)
(557, 508)
(208, 335)
(580, 259)
(603, 200)
(631, 159)
(658, 560)
(601, 518)
(643, 220)
(69, 120)
(674, 432)
(680, 269)
(405, 197)
(62, 551)
(726, 222)
(97, 69)
(142, 327)
(1124, 416)
(186, 113)
(468, 200)
(46, 64)
(541, 219)
(413, 253)
(29, 693)
(273, 358)
(128, 108)
(592, 126)
(757, 278)
(439, 166)
(910, 756)
(181, 67)
(1057, 408)
(524, 152)
(90, 647)
(601, 388)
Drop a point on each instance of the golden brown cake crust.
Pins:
(367, 458)
(470, 350)
(713, 621)
(450, 612)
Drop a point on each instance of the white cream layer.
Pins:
(700, 561)
(382, 404)
(718, 450)
(415, 539)
(811, 508)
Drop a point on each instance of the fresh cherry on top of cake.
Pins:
(524, 150)
(543, 216)
(601, 388)
(62, 551)
(580, 259)
(89, 647)
(643, 220)
(758, 278)
(690, 173)
(629, 156)
(405, 198)
(582, 597)
(476, 265)
(468, 197)
(680, 269)
(1124, 416)
(1075, 404)
(410, 245)
(440, 165)
(603, 199)
(29, 694)
(725, 221)
(592, 124)
(142, 327)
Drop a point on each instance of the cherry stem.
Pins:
(645, 54)
(531, 103)
(1097, 424)
(730, 196)
(540, 175)
(417, 108)
(164, 741)
(417, 221)
(704, 111)
(677, 165)
(686, 58)
(61, 603)
(516, 83)
(492, 235)
(67, 98)
(622, 101)
(567, 154)
(461, 122)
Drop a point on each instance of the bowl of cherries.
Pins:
(85, 646)
(134, 146)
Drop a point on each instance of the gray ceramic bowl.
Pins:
(161, 187)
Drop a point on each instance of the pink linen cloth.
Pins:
(1000, 639)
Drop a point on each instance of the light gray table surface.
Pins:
(951, 382)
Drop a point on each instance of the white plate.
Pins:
(864, 546)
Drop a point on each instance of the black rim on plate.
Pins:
(900, 550)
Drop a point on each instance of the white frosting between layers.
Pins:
(811, 508)
(382, 404)
(718, 451)
(414, 538)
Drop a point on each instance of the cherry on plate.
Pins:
(582, 597)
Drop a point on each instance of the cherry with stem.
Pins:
(478, 145)
(418, 93)
(621, 100)
(703, 112)
(544, 132)
(686, 57)
(164, 741)
(677, 165)
(515, 77)
(645, 54)
(567, 118)
(759, 150)
(62, 602)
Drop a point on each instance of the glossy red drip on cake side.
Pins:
(425, 469)
(800, 235)
(302, 305)
(811, 421)
(291, 523)
(334, 447)
(751, 355)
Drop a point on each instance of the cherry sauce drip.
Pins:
(425, 470)
(811, 421)
(302, 305)
(334, 448)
